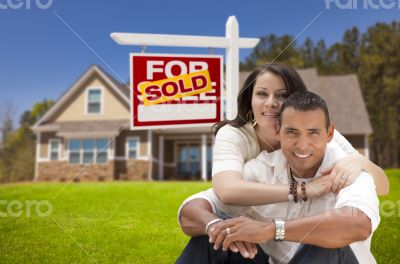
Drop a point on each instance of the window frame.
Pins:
(75, 151)
(127, 149)
(50, 149)
(101, 102)
(97, 151)
(94, 150)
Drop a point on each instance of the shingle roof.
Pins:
(83, 128)
(343, 95)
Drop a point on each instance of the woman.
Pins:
(252, 131)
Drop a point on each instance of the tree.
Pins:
(273, 48)
(307, 53)
(342, 57)
(378, 73)
(17, 158)
(7, 112)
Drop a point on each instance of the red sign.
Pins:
(175, 90)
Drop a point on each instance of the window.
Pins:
(94, 101)
(88, 150)
(54, 149)
(74, 148)
(101, 148)
(132, 147)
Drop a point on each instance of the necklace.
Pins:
(293, 186)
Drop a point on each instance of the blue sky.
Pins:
(40, 57)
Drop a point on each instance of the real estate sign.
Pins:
(175, 90)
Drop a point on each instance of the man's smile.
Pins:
(302, 156)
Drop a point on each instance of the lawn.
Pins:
(123, 222)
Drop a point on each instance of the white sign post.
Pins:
(231, 42)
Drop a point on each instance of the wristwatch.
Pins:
(279, 229)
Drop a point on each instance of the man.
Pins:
(325, 226)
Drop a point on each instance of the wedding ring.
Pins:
(228, 231)
(343, 177)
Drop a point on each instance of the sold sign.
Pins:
(175, 87)
(175, 90)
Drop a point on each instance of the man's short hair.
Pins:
(306, 101)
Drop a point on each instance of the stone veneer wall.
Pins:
(136, 170)
(64, 171)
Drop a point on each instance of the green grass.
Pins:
(124, 222)
(117, 222)
(386, 237)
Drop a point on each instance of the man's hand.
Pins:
(241, 229)
(246, 249)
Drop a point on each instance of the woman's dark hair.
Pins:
(290, 77)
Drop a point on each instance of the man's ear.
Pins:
(331, 130)
(278, 128)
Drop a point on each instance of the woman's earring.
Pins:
(251, 118)
(254, 123)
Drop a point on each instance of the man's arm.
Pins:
(331, 229)
(194, 216)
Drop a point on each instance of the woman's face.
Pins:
(269, 93)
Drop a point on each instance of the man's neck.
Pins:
(306, 174)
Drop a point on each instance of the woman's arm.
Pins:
(351, 166)
(232, 189)
(380, 177)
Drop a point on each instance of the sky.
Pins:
(45, 50)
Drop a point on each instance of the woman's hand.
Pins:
(344, 171)
(318, 187)
(241, 229)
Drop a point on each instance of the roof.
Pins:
(70, 129)
(343, 96)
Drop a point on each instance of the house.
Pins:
(86, 136)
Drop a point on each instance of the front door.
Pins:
(188, 161)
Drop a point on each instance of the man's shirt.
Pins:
(272, 168)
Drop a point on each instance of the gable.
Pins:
(75, 109)
(72, 105)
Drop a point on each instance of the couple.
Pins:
(326, 213)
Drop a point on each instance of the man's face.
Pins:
(303, 138)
